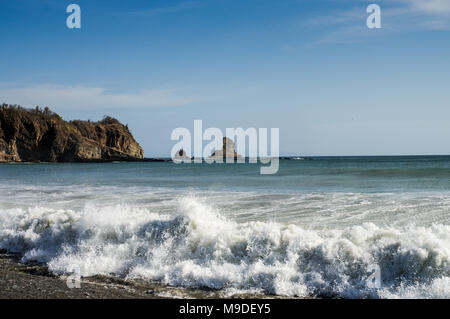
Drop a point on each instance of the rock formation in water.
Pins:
(28, 135)
(227, 151)
(181, 156)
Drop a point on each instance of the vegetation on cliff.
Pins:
(42, 135)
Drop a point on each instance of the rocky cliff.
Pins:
(41, 135)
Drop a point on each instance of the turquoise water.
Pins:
(320, 174)
(317, 227)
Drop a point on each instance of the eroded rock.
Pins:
(41, 135)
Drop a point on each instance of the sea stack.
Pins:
(227, 151)
(181, 156)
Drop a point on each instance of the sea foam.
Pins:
(197, 246)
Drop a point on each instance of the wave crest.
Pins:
(199, 247)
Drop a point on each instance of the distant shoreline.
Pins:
(167, 159)
(92, 161)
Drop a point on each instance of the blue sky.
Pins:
(311, 68)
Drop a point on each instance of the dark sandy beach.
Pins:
(33, 281)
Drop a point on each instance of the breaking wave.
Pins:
(198, 247)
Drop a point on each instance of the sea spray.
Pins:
(198, 247)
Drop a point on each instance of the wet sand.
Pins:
(34, 281)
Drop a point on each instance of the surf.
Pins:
(199, 247)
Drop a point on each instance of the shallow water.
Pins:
(320, 227)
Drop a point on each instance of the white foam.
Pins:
(198, 246)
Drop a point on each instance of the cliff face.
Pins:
(41, 135)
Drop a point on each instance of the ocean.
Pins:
(327, 227)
